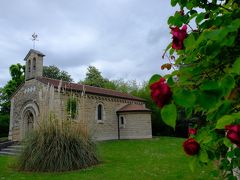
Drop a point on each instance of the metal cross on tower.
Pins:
(34, 39)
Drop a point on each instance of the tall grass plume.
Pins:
(58, 146)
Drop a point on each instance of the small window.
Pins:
(29, 66)
(122, 122)
(99, 110)
(34, 64)
(100, 113)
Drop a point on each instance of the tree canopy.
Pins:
(55, 73)
(94, 77)
(17, 77)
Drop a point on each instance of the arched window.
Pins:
(99, 112)
(34, 64)
(29, 66)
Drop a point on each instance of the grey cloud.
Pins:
(123, 38)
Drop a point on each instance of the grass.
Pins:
(161, 158)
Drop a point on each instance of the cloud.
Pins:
(123, 38)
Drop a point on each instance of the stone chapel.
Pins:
(108, 114)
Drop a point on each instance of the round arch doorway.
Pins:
(29, 119)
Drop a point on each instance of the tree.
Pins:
(94, 77)
(17, 77)
(55, 73)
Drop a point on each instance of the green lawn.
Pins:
(161, 158)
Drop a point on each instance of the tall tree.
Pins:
(55, 73)
(94, 77)
(17, 77)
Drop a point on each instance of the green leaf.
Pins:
(227, 84)
(237, 152)
(169, 115)
(193, 12)
(174, 2)
(176, 20)
(200, 17)
(170, 81)
(171, 20)
(207, 99)
(171, 51)
(188, 113)
(216, 35)
(189, 42)
(209, 85)
(236, 67)
(189, 5)
(184, 98)
(230, 154)
(154, 78)
(229, 40)
(203, 156)
(208, 138)
(219, 110)
(227, 142)
(225, 120)
(193, 163)
(210, 94)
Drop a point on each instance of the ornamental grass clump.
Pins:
(58, 146)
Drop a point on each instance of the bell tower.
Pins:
(34, 64)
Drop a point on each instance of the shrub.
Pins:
(205, 80)
(4, 125)
(58, 146)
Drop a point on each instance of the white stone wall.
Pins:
(137, 125)
(52, 102)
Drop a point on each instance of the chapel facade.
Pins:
(108, 114)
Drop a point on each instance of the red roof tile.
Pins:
(88, 89)
(134, 108)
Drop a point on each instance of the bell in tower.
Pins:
(34, 64)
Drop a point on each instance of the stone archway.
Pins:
(29, 119)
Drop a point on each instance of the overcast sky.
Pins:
(122, 38)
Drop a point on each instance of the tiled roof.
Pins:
(88, 89)
(134, 108)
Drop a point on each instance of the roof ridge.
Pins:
(87, 85)
(92, 89)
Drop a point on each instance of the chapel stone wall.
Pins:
(137, 125)
(25, 96)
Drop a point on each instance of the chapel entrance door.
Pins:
(29, 120)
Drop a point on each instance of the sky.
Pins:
(122, 38)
